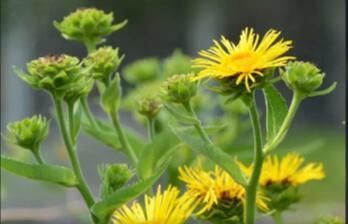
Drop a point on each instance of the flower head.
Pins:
(163, 208)
(28, 133)
(214, 187)
(179, 88)
(287, 171)
(150, 106)
(113, 176)
(61, 75)
(104, 62)
(88, 25)
(303, 76)
(244, 61)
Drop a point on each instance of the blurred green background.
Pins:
(156, 28)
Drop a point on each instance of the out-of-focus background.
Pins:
(156, 28)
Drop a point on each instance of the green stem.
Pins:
(126, 146)
(88, 112)
(82, 187)
(197, 125)
(151, 128)
(295, 103)
(71, 122)
(252, 186)
(38, 157)
(90, 46)
(277, 217)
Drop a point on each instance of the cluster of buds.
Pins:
(114, 176)
(180, 88)
(61, 75)
(88, 25)
(150, 106)
(28, 133)
(103, 62)
(303, 77)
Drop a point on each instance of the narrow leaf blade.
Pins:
(55, 174)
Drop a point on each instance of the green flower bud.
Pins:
(114, 176)
(57, 74)
(143, 70)
(88, 25)
(104, 62)
(28, 133)
(180, 88)
(177, 63)
(304, 77)
(80, 88)
(150, 106)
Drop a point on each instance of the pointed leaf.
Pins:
(276, 110)
(55, 174)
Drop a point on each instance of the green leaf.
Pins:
(55, 174)
(276, 110)
(104, 209)
(109, 138)
(111, 98)
(156, 153)
(216, 154)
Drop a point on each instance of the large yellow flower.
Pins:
(164, 208)
(211, 187)
(287, 171)
(245, 60)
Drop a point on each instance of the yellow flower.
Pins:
(211, 187)
(287, 171)
(246, 60)
(163, 208)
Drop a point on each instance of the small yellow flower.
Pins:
(245, 60)
(164, 208)
(211, 187)
(287, 171)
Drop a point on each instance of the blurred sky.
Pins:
(156, 27)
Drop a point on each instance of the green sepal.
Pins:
(324, 91)
(50, 173)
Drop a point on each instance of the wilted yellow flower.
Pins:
(163, 208)
(287, 171)
(244, 61)
(211, 187)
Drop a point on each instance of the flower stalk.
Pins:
(124, 142)
(82, 186)
(252, 186)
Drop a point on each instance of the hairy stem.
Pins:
(88, 112)
(197, 125)
(82, 187)
(38, 157)
(252, 186)
(151, 128)
(124, 142)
